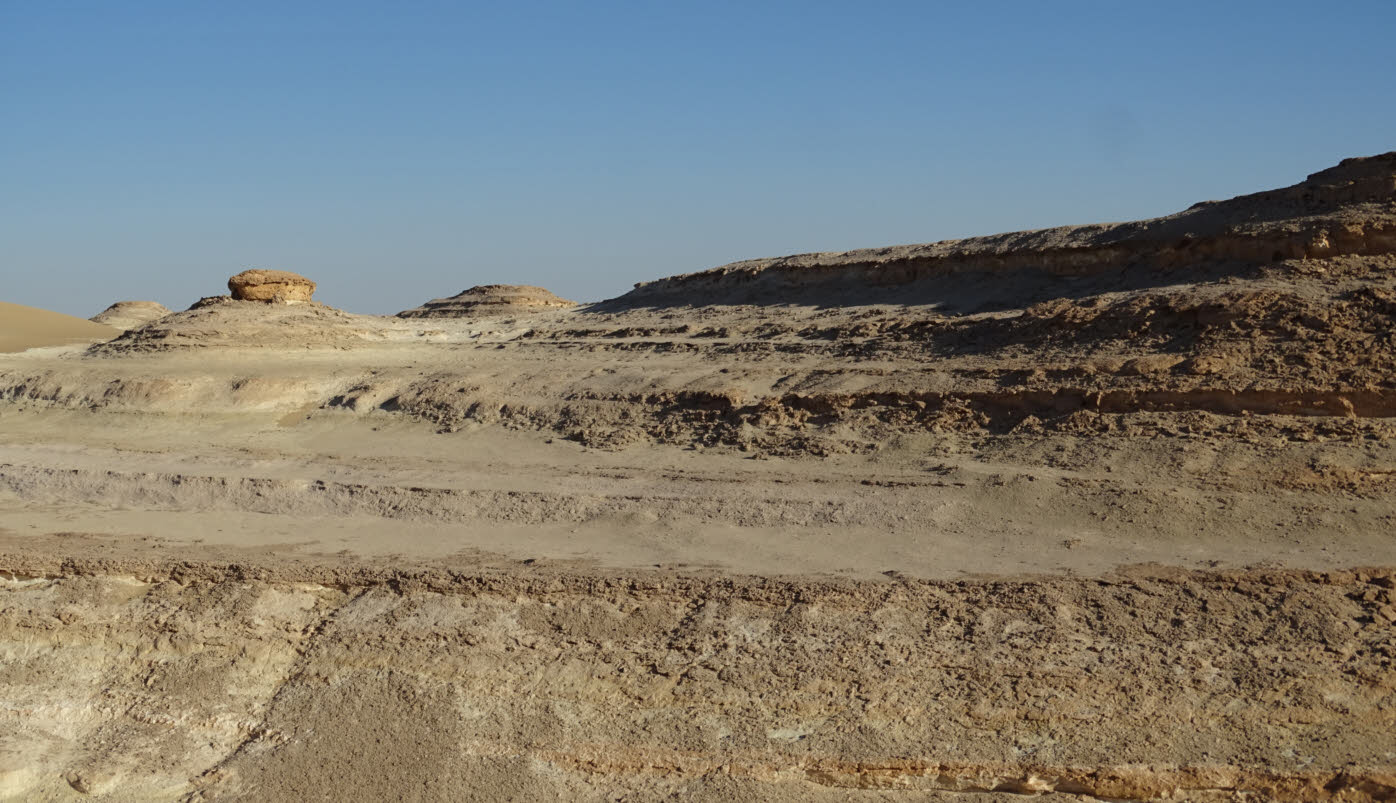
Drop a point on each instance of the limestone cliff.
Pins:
(1349, 209)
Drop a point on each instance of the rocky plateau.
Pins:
(1099, 512)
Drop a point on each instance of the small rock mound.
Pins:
(490, 300)
(126, 315)
(211, 301)
(220, 322)
(271, 286)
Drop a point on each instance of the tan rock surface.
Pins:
(279, 286)
(490, 300)
(1112, 523)
(1346, 210)
(221, 322)
(276, 682)
(126, 315)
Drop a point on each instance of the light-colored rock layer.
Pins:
(490, 300)
(152, 682)
(222, 322)
(126, 315)
(492, 558)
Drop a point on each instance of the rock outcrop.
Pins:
(1082, 514)
(488, 300)
(222, 322)
(271, 286)
(125, 315)
(351, 685)
(1345, 210)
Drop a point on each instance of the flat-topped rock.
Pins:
(1346, 210)
(125, 315)
(271, 286)
(490, 300)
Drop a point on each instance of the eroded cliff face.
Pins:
(1346, 210)
(115, 687)
(246, 682)
(1247, 347)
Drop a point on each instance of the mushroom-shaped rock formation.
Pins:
(271, 286)
(126, 315)
(490, 300)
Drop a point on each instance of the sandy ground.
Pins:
(904, 524)
(27, 328)
(382, 487)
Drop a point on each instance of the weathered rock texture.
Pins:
(1347, 210)
(490, 300)
(834, 527)
(277, 286)
(221, 322)
(126, 315)
(243, 682)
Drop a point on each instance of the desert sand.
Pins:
(1094, 513)
(23, 328)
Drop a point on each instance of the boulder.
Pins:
(490, 300)
(126, 315)
(271, 286)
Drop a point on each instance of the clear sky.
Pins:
(399, 151)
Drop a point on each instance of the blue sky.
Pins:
(399, 151)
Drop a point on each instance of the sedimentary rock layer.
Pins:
(1347, 210)
(257, 682)
(124, 315)
(490, 300)
(831, 527)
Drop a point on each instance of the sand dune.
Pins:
(28, 327)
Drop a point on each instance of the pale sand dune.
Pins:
(28, 327)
